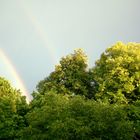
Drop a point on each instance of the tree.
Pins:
(133, 111)
(59, 110)
(13, 107)
(65, 117)
(71, 76)
(118, 73)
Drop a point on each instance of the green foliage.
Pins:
(63, 117)
(12, 110)
(133, 111)
(118, 73)
(74, 103)
(70, 77)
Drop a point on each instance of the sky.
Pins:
(35, 34)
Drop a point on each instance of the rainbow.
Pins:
(39, 29)
(14, 73)
(42, 35)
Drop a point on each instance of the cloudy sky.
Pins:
(35, 34)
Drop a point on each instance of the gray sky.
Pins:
(35, 34)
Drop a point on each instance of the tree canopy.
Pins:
(78, 103)
(71, 76)
(13, 107)
(74, 118)
(117, 73)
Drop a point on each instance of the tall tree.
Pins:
(62, 117)
(13, 107)
(118, 73)
(71, 76)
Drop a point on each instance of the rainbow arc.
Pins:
(12, 70)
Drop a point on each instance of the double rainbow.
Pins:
(42, 35)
